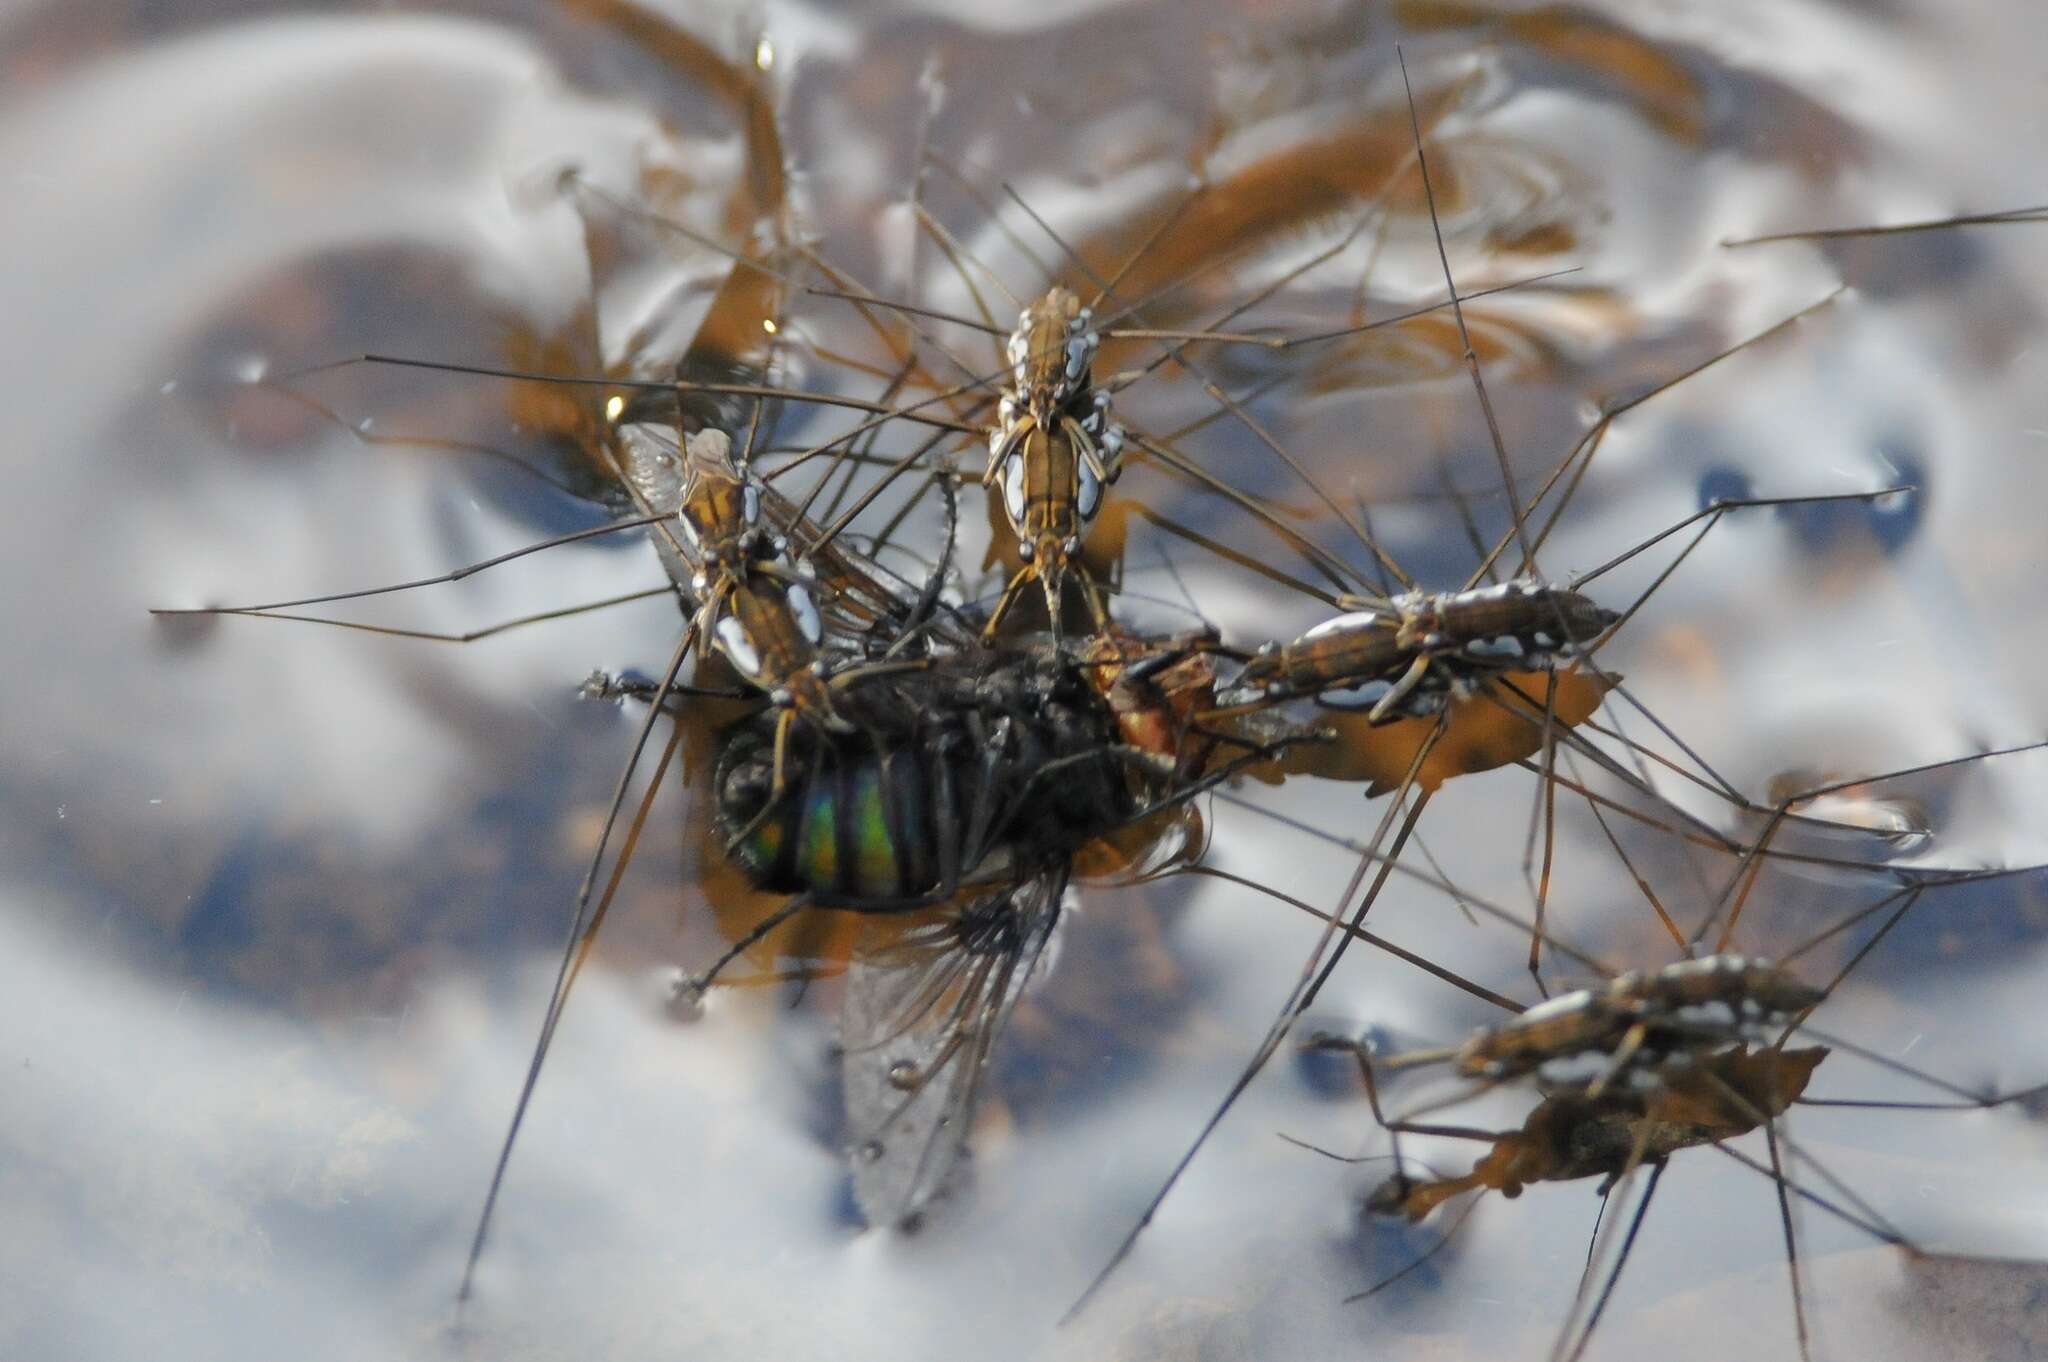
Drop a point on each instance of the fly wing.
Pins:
(920, 1019)
(654, 464)
(863, 590)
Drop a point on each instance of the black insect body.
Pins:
(979, 764)
(966, 787)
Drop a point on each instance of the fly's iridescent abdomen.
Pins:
(854, 822)
(979, 765)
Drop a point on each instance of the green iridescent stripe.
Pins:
(818, 840)
(876, 867)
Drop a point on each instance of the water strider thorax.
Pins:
(1054, 447)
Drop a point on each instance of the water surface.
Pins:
(283, 901)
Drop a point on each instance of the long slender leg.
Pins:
(1500, 449)
(575, 950)
(435, 636)
(2002, 217)
(1548, 797)
(574, 536)
(1628, 1244)
(1303, 995)
(698, 984)
(1791, 1241)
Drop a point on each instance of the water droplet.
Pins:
(868, 1151)
(1901, 822)
(904, 1075)
(764, 54)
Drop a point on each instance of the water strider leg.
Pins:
(1008, 598)
(2002, 217)
(1628, 1244)
(1411, 678)
(1545, 808)
(574, 536)
(1299, 999)
(436, 636)
(575, 951)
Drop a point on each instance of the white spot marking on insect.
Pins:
(1089, 500)
(1013, 489)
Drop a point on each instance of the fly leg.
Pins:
(691, 990)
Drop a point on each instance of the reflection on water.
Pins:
(282, 901)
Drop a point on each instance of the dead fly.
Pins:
(950, 820)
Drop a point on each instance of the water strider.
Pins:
(951, 826)
(1654, 1062)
